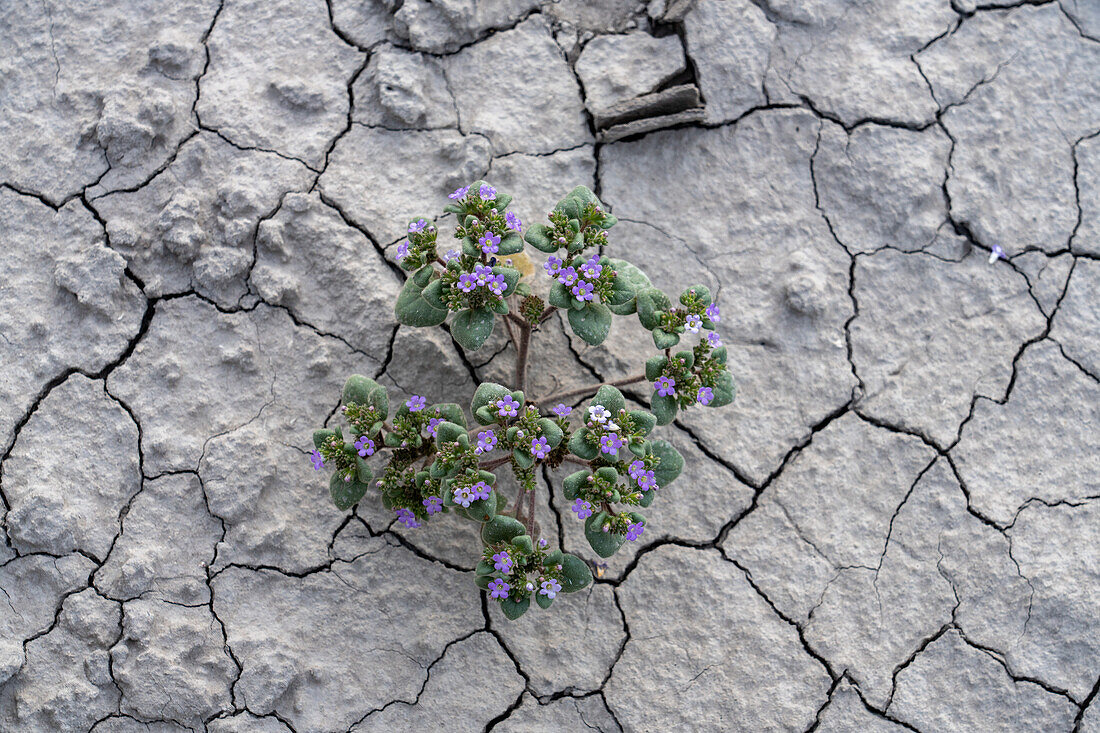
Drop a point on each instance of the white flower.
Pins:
(599, 413)
(612, 427)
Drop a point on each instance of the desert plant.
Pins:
(439, 462)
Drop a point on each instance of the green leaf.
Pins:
(627, 277)
(511, 278)
(514, 610)
(358, 389)
(543, 601)
(550, 431)
(621, 292)
(363, 472)
(538, 236)
(448, 432)
(522, 458)
(483, 510)
(580, 448)
(651, 304)
(483, 581)
(654, 366)
(552, 558)
(719, 355)
(433, 294)
(510, 244)
(671, 462)
(345, 494)
(724, 391)
(664, 408)
(605, 544)
(701, 291)
(664, 340)
(451, 412)
(484, 415)
(611, 398)
(644, 421)
(501, 529)
(575, 201)
(559, 296)
(484, 567)
(575, 574)
(472, 326)
(524, 544)
(411, 308)
(320, 436)
(573, 483)
(608, 474)
(486, 396)
(592, 324)
(687, 357)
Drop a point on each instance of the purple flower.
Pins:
(498, 589)
(583, 290)
(513, 222)
(407, 518)
(714, 339)
(451, 254)
(610, 444)
(562, 409)
(318, 461)
(416, 403)
(488, 243)
(507, 406)
(553, 265)
(705, 396)
(433, 425)
(433, 504)
(483, 273)
(665, 386)
(463, 496)
(466, 283)
(480, 490)
(646, 480)
(365, 446)
(998, 253)
(634, 531)
(540, 448)
(497, 285)
(543, 543)
(693, 323)
(713, 313)
(582, 508)
(486, 441)
(636, 469)
(487, 192)
(598, 413)
(567, 276)
(502, 561)
(418, 226)
(591, 269)
(550, 588)
(403, 250)
(458, 193)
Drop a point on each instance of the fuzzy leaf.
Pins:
(433, 294)
(651, 304)
(664, 408)
(580, 448)
(575, 574)
(550, 431)
(358, 389)
(522, 458)
(644, 421)
(701, 291)
(320, 436)
(451, 412)
(559, 296)
(514, 610)
(511, 278)
(724, 391)
(538, 236)
(605, 544)
(345, 494)
(687, 357)
(486, 396)
(543, 601)
(472, 326)
(511, 244)
(501, 529)
(664, 340)
(484, 567)
(524, 544)
(592, 324)
(448, 432)
(411, 309)
(611, 398)
(671, 462)
(653, 367)
(483, 510)
(573, 483)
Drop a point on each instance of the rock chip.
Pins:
(349, 622)
(791, 543)
(278, 78)
(784, 282)
(45, 327)
(855, 65)
(1077, 322)
(96, 95)
(735, 647)
(194, 225)
(33, 587)
(73, 469)
(664, 103)
(543, 111)
(882, 186)
(565, 713)
(65, 685)
(931, 335)
(171, 663)
(199, 373)
(640, 127)
(327, 273)
(166, 544)
(1012, 164)
(730, 43)
(570, 645)
(446, 694)
(617, 68)
(403, 90)
(444, 26)
(381, 179)
(954, 687)
(1023, 449)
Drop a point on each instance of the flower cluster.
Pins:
(425, 460)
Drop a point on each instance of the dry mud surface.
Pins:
(896, 527)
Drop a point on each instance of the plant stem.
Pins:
(590, 389)
(495, 463)
(521, 356)
(578, 461)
